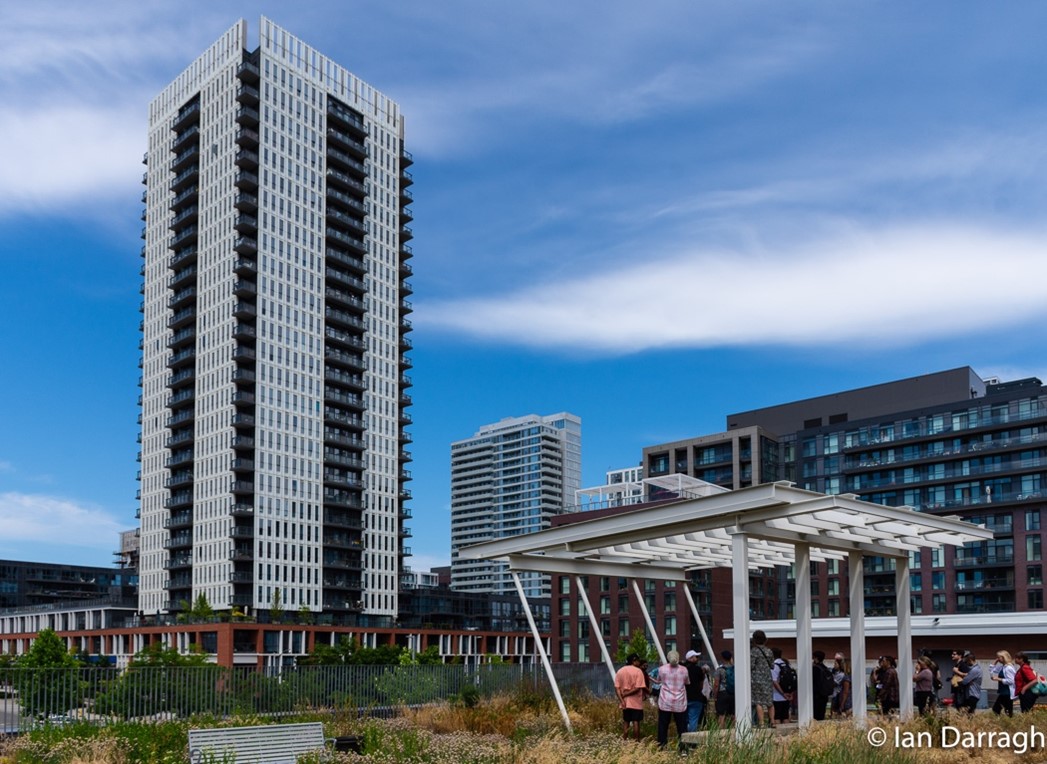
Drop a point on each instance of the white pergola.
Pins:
(760, 526)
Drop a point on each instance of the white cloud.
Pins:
(888, 287)
(65, 153)
(39, 519)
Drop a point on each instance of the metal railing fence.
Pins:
(147, 693)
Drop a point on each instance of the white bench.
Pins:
(271, 743)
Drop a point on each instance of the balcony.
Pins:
(244, 288)
(242, 487)
(344, 298)
(182, 357)
(179, 499)
(248, 72)
(245, 115)
(182, 317)
(343, 438)
(242, 465)
(184, 236)
(241, 532)
(983, 559)
(183, 139)
(342, 419)
(344, 181)
(183, 257)
(347, 118)
(179, 479)
(334, 316)
(354, 224)
(179, 541)
(353, 381)
(247, 158)
(182, 277)
(179, 458)
(187, 157)
(335, 396)
(177, 561)
(240, 509)
(334, 336)
(246, 245)
(338, 519)
(247, 94)
(244, 332)
(346, 142)
(186, 178)
(245, 266)
(181, 297)
(244, 377)
(347, 360)
(183, 417)
(243, 421)
(246, 180)
(245, 399)
(246, 202)
(242, 442)
(353, 243)
(245, 310)
(183, 519)
(187, 115)
(180, 438)
(189, 196)
(184, 337)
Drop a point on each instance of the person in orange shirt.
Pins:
(630, 685)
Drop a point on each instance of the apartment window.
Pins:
(670, 601)
(1035, 599)
(1032, 519)
(565, 606)
(605, 605)
(938, 603)
(670, 644)
(916, 605)
(649, 601)
(815, 588)
(937, 558)
(833, 589)
(605, 584)
(605, 628)
(833, 611)
(565, 652)
(915, 582)
(583, 630)
(623, 603)
(938, 580)
(670, 625)
(1034, 575)
(565, 585)
(1033, 549)
(623, 628)
(565, 629)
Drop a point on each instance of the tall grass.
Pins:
(523, 728)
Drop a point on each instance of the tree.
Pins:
(637, 644)
(202, 610)
(276, 607)
(48, 681)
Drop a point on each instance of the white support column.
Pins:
(541, 650)
(804, 649)
(595, 626)
(647, 619)
(859, 679)
(701, 626)
(905, 665)
(743, 691)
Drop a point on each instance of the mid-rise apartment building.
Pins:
(947, 443)
(274, 335)
(510, 478)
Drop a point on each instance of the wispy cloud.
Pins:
(887, 287)
(41, 519)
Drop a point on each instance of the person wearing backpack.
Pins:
(822, 685)
(723, 687)
(783, 677)
(1024, 681)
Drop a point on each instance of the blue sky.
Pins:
(650, 215)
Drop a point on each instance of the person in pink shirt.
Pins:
(672, 700)
(630, 685)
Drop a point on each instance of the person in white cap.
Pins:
(696, 697)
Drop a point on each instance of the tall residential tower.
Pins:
(274, 329)
(511, 478)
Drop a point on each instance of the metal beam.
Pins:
(541, 650)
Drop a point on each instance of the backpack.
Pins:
(824, 684)
(786, 677)
(728, 673)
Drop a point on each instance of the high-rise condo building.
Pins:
(274, 330)
(511, 478)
